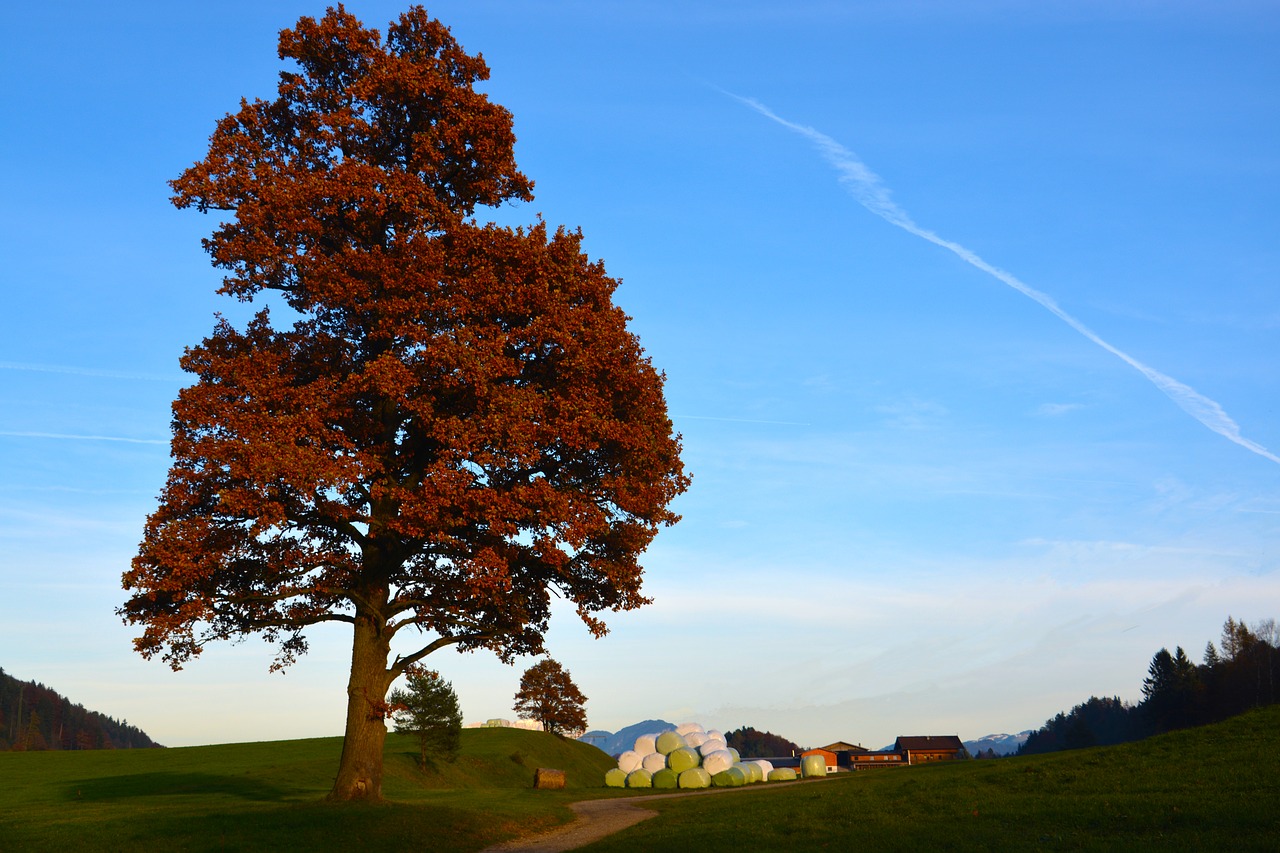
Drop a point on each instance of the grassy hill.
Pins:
(1212, 788)
(267, 796)
(1201, 789)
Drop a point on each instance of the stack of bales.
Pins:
(690, 757)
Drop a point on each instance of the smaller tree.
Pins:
(547, 694)
(428, 709)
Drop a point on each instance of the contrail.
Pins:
(88, 371)
(68, 437)
(864, 185)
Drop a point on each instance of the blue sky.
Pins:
(923, 503)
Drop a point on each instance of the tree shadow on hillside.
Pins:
(171, 784)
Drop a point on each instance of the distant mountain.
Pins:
(1001, 744)
(618, 742)
(34, 717)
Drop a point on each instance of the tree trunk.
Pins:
(360, 771)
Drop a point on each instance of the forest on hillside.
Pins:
(35, 717)
(1239, 674)
(753, 743)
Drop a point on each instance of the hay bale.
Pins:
(813, 765)
(687, 729)
(734, 777)
(782, 774)
(666, 778)
(545, 777)
(645, 744)
(669, 742)
(765, 766)
(615, 778)
(753, 771)
(736, 755)
(695, 739)
(630, 760)
(717, 762)
(711, 745)
(654, 761)
(683, 759)
(640, 779)
(695, 777)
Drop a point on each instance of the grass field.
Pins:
(1210, 789)
(268, 796)
(1215, 788)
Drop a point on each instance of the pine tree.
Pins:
(428, 708)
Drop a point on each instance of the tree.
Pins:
(456, 428)
(428, 708)
(547, 694)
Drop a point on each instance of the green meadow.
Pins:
(1212, 788)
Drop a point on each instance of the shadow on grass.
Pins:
(171, 784)
(424, 828)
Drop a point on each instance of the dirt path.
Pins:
(598, 818)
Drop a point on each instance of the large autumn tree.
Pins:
(455, 427)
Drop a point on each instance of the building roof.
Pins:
(841, 746)
(819, 751)
(929, 743)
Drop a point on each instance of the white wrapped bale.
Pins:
(713, 734)
(782, 774)
(630, 760)
(733, 777)
(695, 777)
(687, 729)
(640, 779)
(653, 762)
(711, 745)
(717, 762)
(615, 778)
(813, 765)
(669, 742)
(695, 739)
(683, 759)
(645, 744)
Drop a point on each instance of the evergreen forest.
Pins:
(1233, 677)
(34, 717)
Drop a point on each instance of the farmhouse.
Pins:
(905, 751)
(923, 749)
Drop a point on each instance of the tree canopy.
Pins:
(547, 694)
(753, 743)
(455, 428)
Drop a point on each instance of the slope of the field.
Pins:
(1211, 788)
(268, 796)
(1214, 788)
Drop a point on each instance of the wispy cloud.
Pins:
(59, 436)
(912, 414)
(865, 186)
(1054, 410)
(91, 371)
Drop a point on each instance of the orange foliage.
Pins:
(458, 424)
